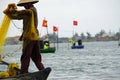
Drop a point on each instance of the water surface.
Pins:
(97, 61)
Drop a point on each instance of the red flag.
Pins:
(44, 24)
(55, 28)
(75, 23)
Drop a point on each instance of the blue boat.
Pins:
(77, 47)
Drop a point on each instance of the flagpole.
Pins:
(47, 32)
(45, 25)
(75, 23)
(40, 32)
(54, 37)
(56, 29)
(73, 31)
(57, 39)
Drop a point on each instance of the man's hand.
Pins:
(11, 7)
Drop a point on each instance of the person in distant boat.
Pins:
(46, 46)
(31, 45)
(79, 42)
(72, 42)
(46, 43)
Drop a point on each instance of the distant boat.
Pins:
(49, 50)
(77, 47)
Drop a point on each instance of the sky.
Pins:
(92, 16)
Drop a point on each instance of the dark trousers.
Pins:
(31, 50)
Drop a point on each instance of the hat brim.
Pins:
(21, 4)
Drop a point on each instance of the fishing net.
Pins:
(4, 27)
(3, 31)
(30, 33)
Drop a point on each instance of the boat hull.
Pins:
(77, 47)
(49, 50)
(40, 75)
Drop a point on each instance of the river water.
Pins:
(97, 61)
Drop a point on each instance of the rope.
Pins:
(15, 25)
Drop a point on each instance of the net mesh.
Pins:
(3, 31)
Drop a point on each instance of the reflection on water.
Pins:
(97, 61)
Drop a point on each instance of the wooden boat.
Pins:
(39, 75)
(49, 50)
(77, 47)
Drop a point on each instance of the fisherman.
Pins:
(79, 42)
(46, 46)
(31, 45)
(72, 42)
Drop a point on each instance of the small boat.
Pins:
(49, 50)
(39, 75)
(77, 47)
